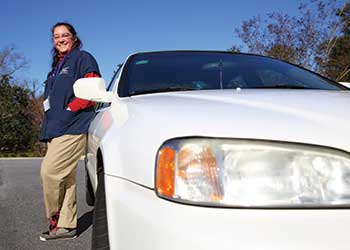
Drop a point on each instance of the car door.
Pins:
(97, 129)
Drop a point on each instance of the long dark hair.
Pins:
(76, 44)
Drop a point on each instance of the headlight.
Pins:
(251, 173)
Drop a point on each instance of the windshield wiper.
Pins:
(167, 89)
(281, 86)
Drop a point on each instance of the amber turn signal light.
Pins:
(166, 171)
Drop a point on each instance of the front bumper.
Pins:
(138, 219)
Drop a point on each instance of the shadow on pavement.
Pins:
(84, 222)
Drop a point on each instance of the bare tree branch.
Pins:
(343, 74)
(306, 39)
(11, 61)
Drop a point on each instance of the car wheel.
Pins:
(89, 195)
(100, 238)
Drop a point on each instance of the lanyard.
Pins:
(55, 73)
(58, 68)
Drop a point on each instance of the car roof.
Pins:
(199, 51)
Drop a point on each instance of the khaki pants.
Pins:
(58, 177)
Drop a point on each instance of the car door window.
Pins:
(110, 87)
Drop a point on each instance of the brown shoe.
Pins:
(59, 233)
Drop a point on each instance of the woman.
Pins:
(64, 128)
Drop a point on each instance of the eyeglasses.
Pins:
(64, 36)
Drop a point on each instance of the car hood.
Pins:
(304, 116)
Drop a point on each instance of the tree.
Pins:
(337, 65)
(20, 107)
(11, 61)
(35, 112)
(306, 40)
(283, 52)
(16, 130)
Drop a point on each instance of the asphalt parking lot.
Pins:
(22, 217)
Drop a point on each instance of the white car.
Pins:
(212, 150)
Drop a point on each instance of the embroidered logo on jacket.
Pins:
(64, 71)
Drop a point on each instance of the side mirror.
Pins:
(346, 84)
(92, 89)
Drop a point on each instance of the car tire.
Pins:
(89, 191)
(100, 238)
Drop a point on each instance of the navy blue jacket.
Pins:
(59, 90)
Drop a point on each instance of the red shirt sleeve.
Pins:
(77, 103)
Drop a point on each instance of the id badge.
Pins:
(46, 104)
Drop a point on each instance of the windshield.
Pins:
(181, 71)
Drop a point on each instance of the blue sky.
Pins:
(111, 30)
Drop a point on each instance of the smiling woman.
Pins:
(64, 128)
(63, 39)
